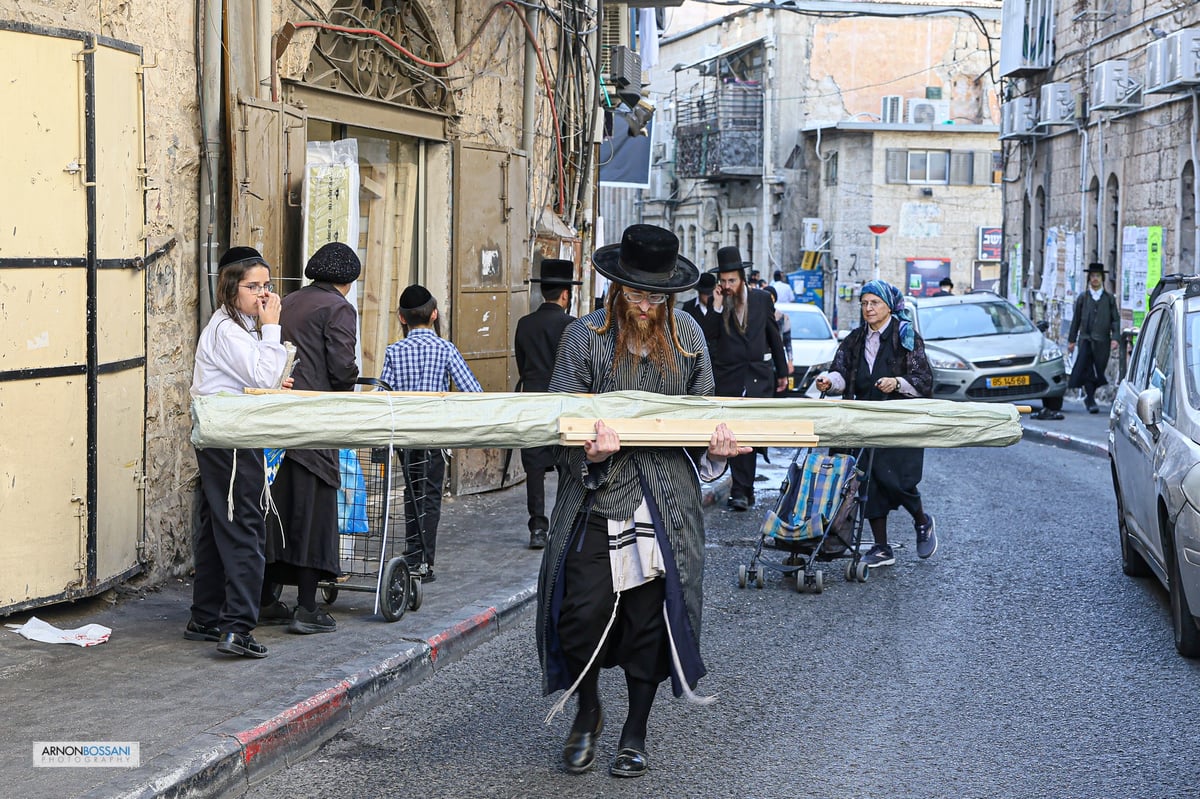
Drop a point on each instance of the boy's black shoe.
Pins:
(199, 632)
(241, 644)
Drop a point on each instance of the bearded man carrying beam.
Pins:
(620, 583)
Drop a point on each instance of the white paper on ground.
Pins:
(37, 630)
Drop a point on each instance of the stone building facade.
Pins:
(1099, 132)
(157, 133)
(826, 91)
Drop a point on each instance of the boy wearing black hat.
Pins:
(302, 541)
(424, 361)
(535, 343)
(1096, 323)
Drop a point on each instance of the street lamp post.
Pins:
(878, 230)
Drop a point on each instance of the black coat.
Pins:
(323, 325)
(536, 343)
(746, 364)
(912, 365)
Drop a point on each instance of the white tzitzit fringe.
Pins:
(688, 693)
(229, 496)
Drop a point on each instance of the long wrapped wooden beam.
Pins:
(510, 420)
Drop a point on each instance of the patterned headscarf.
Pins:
(895, 302)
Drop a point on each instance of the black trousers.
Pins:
(537, 461)
(742, 469)
(637, 641)
(229, 555)
(424, 476)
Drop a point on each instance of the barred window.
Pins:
(962, 168)
(928, 166)
(831, 170)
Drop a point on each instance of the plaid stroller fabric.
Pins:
(815, 495)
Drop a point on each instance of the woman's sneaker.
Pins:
(278, 612)
(306, 622)
(926, 537)
(879, 555)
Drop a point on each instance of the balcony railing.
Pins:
(719, 133)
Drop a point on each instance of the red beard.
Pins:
(643, 333)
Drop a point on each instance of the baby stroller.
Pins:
(819, 518)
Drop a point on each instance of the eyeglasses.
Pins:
(255, 288)
(639, 296)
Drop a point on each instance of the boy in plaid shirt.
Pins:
(423, 361)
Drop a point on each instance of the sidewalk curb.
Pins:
(1063, 441)
(227, 759)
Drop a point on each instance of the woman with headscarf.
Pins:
(883, 360)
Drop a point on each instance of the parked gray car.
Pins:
(1152, 444)
(982, 348)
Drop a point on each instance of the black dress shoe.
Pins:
(201, 632)
(579, 752)
(629, 762)
(241, 644)
(537, 539)
(739, 503)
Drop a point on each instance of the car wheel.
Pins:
(1187, 634)
(1132, 562)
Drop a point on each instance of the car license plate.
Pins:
(1007, 381)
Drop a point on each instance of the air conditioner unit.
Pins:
(891, 108)
(1018, 118)
(1027, 45)
(1057, 105)
(928, 112)
(614, 32)
(1181, 67)
(1156, 67)
(1112, 88)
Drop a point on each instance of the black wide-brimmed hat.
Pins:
(729, 259)
(556, 272)
(708, 282)
(1095, 267)
(647, 259)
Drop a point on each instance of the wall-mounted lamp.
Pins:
(926, 192)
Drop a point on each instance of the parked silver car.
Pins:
(982, 348)
(1154, 428)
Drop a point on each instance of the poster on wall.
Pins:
(624, 157)
(809, 286)
(922, 275)
(1049, 283)
(1015, 275)
(991, 244)
(986, 277)
(1135, 252)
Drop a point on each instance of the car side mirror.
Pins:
(1043, 325)
(1149, 409)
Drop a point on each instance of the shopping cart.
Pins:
(375, 548)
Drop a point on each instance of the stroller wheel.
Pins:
(818, 581)
(861, 572)
(742, 576)
(801, 583)
(760, 578)
(851, 576)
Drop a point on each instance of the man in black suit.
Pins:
(701, 306)
(536, 343)
(747, 353)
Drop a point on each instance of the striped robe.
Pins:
(584, 365)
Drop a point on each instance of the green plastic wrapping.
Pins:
(515, 420)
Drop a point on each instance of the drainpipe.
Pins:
(262, 47)
(208, 16)
(528, 95)
(768, 148)
(1195, 187)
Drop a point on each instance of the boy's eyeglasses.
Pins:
(255, 288)
(640, 296)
